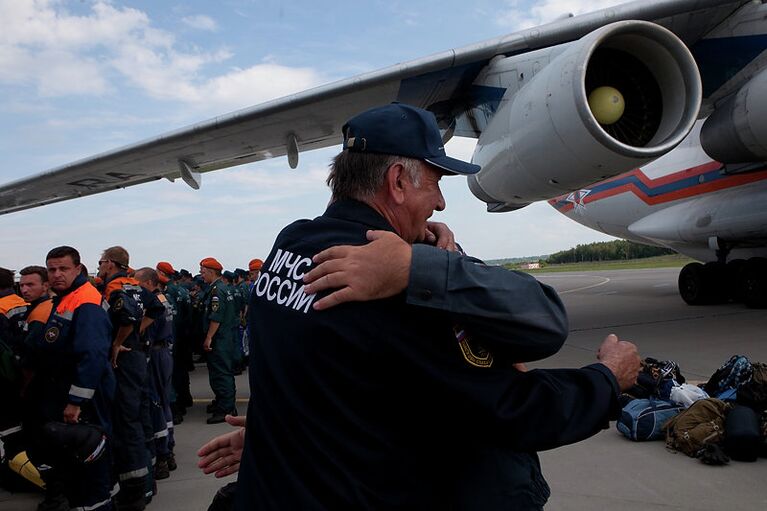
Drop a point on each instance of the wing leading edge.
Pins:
(312, 119)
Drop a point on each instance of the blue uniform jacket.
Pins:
(367, 405)
(74, 349)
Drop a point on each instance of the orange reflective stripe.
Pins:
(118, 283)
(41, 312)
(11, 302)
(82, 295)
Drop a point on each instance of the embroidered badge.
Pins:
(52, 334)
(474, 353)
(119, 304)
(215, 304)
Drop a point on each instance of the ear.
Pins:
(395, 183)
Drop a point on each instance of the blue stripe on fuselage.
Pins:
(650, 191)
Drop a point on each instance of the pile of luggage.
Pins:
(722, 419)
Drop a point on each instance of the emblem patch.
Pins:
(119, 304)
(474, 353)
(215, 304)
(52, 334)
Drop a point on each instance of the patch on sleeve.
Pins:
(119, 303)
(473, 352)
(215, 304)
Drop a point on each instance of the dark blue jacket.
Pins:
(72, 356)
(366, 405)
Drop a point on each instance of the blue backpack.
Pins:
(643, 419)
(733, 373)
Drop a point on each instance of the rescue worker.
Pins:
(129, 358)
(179, 297)
(240, 276)
(13, 310)
(197, 294)
(35, 289)
(254, 269)
(159, 335)
(369, 405)
(184, 277)
(220, 320)
(72, 383)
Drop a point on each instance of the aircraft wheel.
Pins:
(734, 279)
(692, 284)
(755, 283)
(715, 279)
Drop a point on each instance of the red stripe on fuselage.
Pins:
(682, 193)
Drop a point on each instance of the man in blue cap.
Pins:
(379, 404)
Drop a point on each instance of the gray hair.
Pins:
(359, 176)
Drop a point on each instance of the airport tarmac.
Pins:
(606, 471)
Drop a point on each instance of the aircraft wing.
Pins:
(313, 118)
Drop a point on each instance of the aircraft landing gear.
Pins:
(716, 282)
(702, 284)
(754, 282)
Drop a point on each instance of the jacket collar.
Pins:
(79, 281)
(358, 212)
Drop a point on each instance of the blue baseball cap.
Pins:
(402, 130)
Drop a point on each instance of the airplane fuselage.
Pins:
(684, 201)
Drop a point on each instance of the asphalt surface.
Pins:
(606, 471)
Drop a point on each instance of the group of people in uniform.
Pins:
(95, 370)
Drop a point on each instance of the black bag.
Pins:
(73, 443)
(655, 379)
(742, 434)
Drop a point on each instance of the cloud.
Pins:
(520, 16)
(200, 22)
(244, 87)
(59, 53)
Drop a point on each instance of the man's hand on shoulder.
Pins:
(377, 270)
(622, 358)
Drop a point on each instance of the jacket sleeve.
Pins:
(548, 408)
(153, 308)
(123, 309)
(90, 344)
(510, 312)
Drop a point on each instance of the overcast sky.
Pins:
(82, 77)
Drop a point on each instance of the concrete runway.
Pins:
(606, 471)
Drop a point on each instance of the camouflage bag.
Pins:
(698, 426)
(753, 393)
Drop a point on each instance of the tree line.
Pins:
(606, 251)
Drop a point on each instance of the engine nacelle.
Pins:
(544, 140)
(737, 130)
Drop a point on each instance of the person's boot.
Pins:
(217, 418)
(161, 469)
(172, 462)
(178, 412)
(131, 496)
(187, 401)
(211, 408)
(54, 498)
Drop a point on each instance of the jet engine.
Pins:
(611, 101)
(737, 130)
